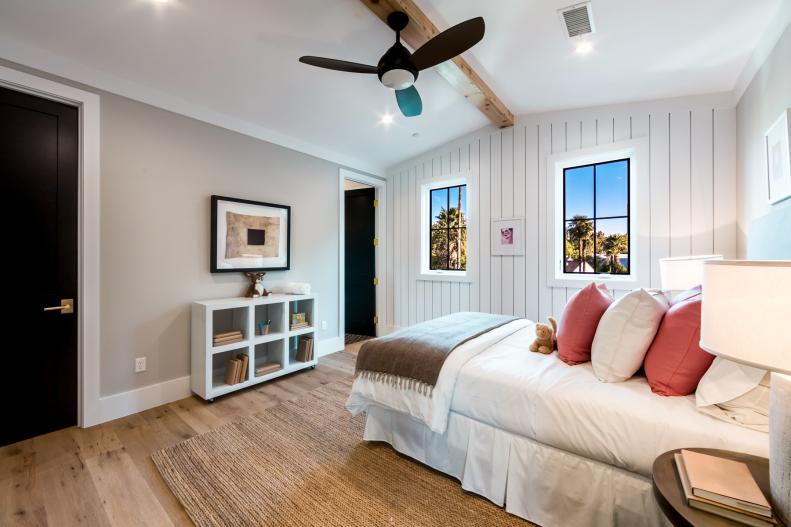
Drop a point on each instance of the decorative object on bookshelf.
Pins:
(723, 487)
(249, 235)
(746, 309)
(228, 337)
(299, 321)
(263, 327)
(256, 288)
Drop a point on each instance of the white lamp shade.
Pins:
(686, 272)
(746, 315)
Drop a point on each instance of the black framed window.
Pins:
(596, 223)
(448, 228)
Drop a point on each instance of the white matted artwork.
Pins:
(778, 160)
(249, 235)
(508, 237)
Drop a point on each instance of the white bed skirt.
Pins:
(544, 485)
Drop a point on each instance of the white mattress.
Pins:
(623, 424)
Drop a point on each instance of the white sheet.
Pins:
(622, 424)
(433, 411)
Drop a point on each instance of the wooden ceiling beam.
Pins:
(457, 71)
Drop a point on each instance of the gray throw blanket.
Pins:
(413, 357)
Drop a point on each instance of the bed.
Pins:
(547, 441)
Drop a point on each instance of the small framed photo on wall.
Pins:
(249, 236)
(778, 160)
(508, 237)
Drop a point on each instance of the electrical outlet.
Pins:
(140, 364)
(323, 325)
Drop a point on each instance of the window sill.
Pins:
(444, 277)
(610, 281)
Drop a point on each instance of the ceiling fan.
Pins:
(398, 68)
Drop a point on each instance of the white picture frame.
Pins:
(778, 158)
(508, 237)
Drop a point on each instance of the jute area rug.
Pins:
(304, 463)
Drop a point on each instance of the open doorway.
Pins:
(360, 261)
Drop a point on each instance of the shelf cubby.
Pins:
(231, 319)
(275, 314)
(293, 347)
(220, 366)
(269, 352)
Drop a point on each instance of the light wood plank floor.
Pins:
(104, 475)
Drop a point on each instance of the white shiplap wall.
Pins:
(692, 200)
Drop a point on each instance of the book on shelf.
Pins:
(301, 325)
(731, 511)
(266, 368)
(224, 334)
(231, 371)
(298, 318)
(243, 367)
(229, 337)
(305, 349)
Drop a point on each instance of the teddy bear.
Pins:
(545, 337)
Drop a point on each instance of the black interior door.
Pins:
(39, 168)
(360, 261)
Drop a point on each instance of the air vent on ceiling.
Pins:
(577, 19)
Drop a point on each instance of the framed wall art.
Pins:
(778, 160)
(508, 236)
(249, 236)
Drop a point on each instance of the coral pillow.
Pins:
(579, 321)
(625, 333)
(675, 363)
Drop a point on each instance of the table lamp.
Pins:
(746, 318)
(685, 272)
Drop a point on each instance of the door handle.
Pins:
(66, 306)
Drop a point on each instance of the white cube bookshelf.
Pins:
(210, 317)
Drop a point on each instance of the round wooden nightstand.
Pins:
(670, 496)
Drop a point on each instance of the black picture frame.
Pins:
(215, 200)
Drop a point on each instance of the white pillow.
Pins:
(735, 393)
(625, 333)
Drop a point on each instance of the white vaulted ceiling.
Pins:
(234, 62)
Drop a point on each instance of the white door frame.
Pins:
(88, 257)
(380, 230)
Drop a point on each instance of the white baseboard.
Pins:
(127, 403)
(134, 401)
(330, 345)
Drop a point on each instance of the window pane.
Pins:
(612, 189)
(457, 246)
(453, 196)
(439, 249)
(579, 246)
(439, 203)
(612, 246)
(463, 219)
(579, 192)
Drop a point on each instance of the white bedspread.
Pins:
(432, 411)
(566, 407)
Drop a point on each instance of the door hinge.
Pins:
(376, 242)
(376, 319)
(376, 281)
(376, 203)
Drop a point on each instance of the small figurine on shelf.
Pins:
(256, 288)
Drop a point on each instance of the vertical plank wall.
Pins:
(692, 202)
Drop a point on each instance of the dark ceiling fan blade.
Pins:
(340, 65)
(409, 101)
(451, 42)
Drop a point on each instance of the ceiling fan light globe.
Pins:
(398, 79)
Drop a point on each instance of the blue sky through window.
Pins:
(612, 190)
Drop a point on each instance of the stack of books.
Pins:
(299, 321)
(267, 367)
(236, 369)
(723, 487)
(228, 337)
(305, 349)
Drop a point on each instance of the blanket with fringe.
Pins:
(411, 358)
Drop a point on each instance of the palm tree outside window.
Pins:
(448, 228)
(596, 218)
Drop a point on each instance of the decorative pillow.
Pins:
(578, 323)
(625, 333)
(675, 363)
(735, 393)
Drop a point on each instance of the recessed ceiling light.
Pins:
(386, 119)
(583, 48)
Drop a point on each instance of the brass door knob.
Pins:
(66, 306)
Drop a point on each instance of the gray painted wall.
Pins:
(158, 171)
(767, 96)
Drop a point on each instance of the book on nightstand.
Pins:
(723, 487)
